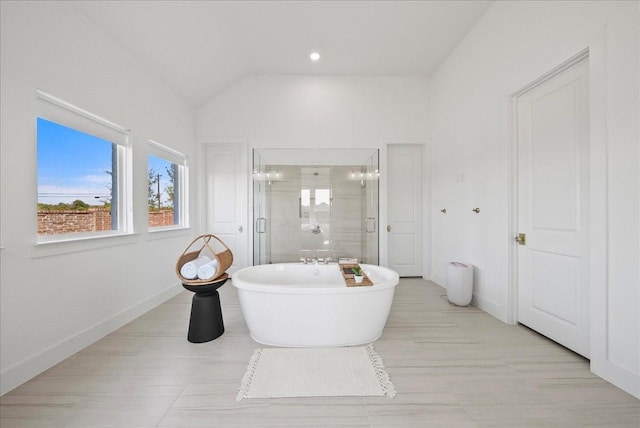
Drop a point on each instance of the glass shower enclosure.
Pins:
(315, 204)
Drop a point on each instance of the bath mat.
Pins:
(315, 372)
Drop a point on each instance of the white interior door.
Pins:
(553, 192)
(226, 198)
(404, 163)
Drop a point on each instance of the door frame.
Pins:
(514, 197)
(426, 202)
(202, 207)
(597, 192)
(571, 329)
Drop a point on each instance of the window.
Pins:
(167, 179)
(83, 169)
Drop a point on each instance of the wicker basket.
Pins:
(225, 259)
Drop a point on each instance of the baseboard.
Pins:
(441, 281)
(30, 367)
(489, 306)
(618, 376)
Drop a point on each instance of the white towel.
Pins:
(189, 270)
(208, 270)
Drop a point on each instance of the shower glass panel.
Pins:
(303, 210)
(260, 233)
(369, 186)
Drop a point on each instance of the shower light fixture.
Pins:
(315, 56)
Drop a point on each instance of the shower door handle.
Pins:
(370, 224)
(261, 225)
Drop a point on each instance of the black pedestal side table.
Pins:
(206, 322)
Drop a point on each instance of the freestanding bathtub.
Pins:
(299, 305)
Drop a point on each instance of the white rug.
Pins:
(315, 372)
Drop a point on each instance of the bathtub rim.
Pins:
(241, 284)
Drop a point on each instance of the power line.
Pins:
(73, 194)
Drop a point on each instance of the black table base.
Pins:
(206, 322)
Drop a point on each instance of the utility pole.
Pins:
(158, 181)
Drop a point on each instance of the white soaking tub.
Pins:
(299, 305)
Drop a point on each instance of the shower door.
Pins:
(260, 226)
(369, 230)
(315, 212)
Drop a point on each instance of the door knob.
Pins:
(388, 228)
(521, 239)
(240, 229)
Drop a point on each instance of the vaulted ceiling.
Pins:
(200, 47)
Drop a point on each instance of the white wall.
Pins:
(512, 45)
(321, 112)
(318, 112)
(52, 306)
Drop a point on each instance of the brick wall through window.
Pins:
(57, 222)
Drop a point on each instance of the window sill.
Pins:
(64, 245)
(167, 232)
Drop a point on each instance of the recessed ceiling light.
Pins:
(315, 56)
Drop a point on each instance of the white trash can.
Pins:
(459, 283)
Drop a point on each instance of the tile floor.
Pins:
(451, 366)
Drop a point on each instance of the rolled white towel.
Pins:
(208, 270)
(189, 270)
